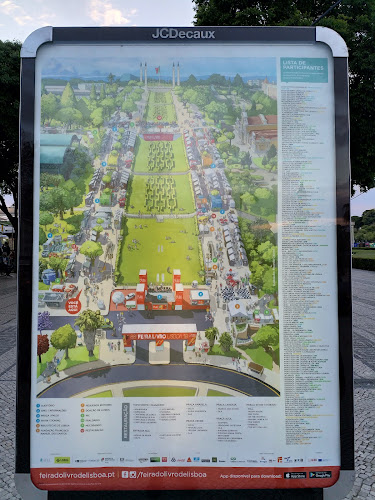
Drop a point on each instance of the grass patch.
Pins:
(258, 355)
(232, 353)
(142, 156)
(159, 392)
(149, 250)
(77, 356)
(46, 358)
(359, 253)
(43, 286)
(211, 392)
(267, 166)
(136, 199)
(103, 394)
(160, 104)
(71, 224)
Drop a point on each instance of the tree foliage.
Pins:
(211, 335)
(88, 322)
(9, 116)
(43, 346)
(354, 20)
(92, 250)
(225, 341)
(64, 337)
(267, 336)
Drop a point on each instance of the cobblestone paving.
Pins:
(364, 394)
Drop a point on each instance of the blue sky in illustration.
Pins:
(199, 66)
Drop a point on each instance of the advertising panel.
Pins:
(185, 304)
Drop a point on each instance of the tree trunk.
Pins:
(40, 358)
(89, 339)
(71, 211)
(61, 214)
(66, 353)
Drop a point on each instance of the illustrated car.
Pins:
(58, 288)
(70, 288)
(108, 324)
(130, 296)
(45, 253)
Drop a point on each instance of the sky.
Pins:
(19, 18)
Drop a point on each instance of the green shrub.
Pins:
(366, 264)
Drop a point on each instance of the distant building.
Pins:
(270, 89)
(259, 132)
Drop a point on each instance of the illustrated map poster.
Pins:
(185, 328)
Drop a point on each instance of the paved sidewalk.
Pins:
(364, 373)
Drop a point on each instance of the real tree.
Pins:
(9, 127)
(354, 20)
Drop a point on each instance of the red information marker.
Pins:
(213, 216)
(159, 117)
(73, 306)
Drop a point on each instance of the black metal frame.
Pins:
(25, 246)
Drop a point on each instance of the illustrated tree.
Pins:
(267, 337)
(64, 337)
(211, 335)
(44, 322)
(192, 81)
(109, 105)
(93, 93)
(216, 111)
(91, 249)
(68, 116)
(102, 92)
(50, 180)
(237, 81)
(49, 104)
(267, 252)
(58, 264)
(42, 236)
(106, 179)
(248, 199)
(272, 152)
(55, 200)
(230, 136)
(273, 164)
(45, 218)
(270, 285)
(68, 99)
(43, 346)
(88, 322)
(97, 117)
(128, 106)
(225, 341)
(75, 199)
(83, 108)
